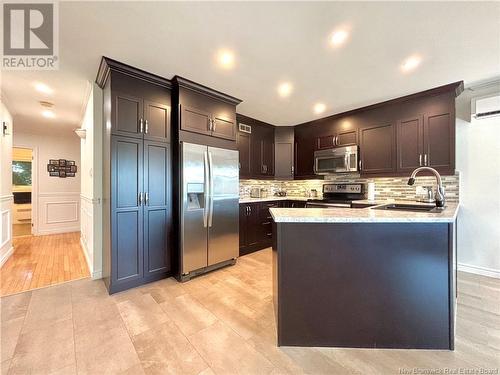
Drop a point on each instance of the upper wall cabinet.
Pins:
(338, 139)
(256, 148)
(139, 109)
(284, 146)
(205, 111)
(378, 149)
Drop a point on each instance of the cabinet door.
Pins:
(409, 144)
(439, 138)
(304, 157)
(283, 159)
(126, 210)
(253, 225)
(267, 159)
(157, 208)
(128, 115)
(156, 121)
(326, 141)
(347, 138)
(243, 226)
(195, 120)
(244, 147)
(377, 148)
(224, 128)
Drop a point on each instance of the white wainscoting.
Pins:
(88, 207)
(58, 212)
(6, 249)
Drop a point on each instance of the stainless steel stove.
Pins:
(338, 195)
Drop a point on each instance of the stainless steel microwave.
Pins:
(336, 160)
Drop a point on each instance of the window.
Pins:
(21, 173)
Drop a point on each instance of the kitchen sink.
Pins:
(409, 207)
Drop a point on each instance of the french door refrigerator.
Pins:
(210, 209)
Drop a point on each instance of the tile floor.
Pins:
(221, 323)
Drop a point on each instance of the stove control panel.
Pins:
(343, 188)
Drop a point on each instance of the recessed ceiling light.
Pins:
(319, 108)
(285, 89)
(48, 113)
(226, 59)
(42, 87)
(338, 37)
(410, 63)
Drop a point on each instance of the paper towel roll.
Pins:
(371, 191)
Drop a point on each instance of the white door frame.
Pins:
(34, 186)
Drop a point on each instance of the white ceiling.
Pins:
(273, 41)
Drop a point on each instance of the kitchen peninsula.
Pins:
(365, 277)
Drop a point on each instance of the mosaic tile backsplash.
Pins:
(385, 187)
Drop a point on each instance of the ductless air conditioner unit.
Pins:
(485, 107)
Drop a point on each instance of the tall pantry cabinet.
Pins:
(137, 196)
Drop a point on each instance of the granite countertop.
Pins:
(363, 215)
(275, 198)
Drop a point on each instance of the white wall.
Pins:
(55, 201)
(6, 197)
(91, 183)
(478, 160)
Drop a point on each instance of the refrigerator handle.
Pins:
(206, 189)
(211, 189)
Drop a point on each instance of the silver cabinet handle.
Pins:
(336, 141)
(141, 125)
(146, 199)
(420, 160)
(146, 127)
(211, 211)
(206, 187)
(209, 124)
(360, 165)
(425, 159)
(214, 124)
(248, 210)
(140, 199)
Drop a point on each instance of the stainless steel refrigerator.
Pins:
(210, 209)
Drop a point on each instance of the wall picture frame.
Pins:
(62, 168)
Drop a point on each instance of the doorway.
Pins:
(22, 189)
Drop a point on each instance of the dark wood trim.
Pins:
(456, 88)
(107, 65)
(201, 89)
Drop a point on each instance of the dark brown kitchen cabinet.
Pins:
(409, 138)
(283, 152)
(256, 226)
(304, 151)
(249, 228)
(256, 148)
(378, 149)
(140, 118)
(137, 194)
(204, 111)
(244, 141)
(439, 140)
(426, 140)
(339, 139)
(195, 120)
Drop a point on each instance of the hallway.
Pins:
(40, 261)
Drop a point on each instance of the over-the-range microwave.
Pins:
(336, 160)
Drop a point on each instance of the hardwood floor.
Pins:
(220, 323)
(40, 261)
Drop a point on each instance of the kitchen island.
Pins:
(365, 277)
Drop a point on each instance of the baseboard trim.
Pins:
(6, 256)
(97, 275)
(44, 232)
(478, 270)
